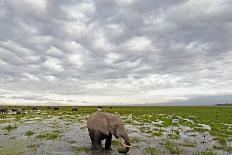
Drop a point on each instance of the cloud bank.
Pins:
(114, 52)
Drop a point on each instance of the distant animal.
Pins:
(19, 111)
(102, 126)
(3, 110)
(56, 108)
(74, 109)
(99, 108)
(34, 108)
(13, 110)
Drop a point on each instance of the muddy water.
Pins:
(74, 139)
(73, 136)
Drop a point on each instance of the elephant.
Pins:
(34, 108)
(74, 109)
(56, 108)
(19, 111)
(102, 126)
(3, 110)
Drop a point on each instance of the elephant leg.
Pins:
(108, 142)
(91, 135)
(97, 140)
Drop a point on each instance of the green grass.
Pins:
(49, 135)
(214, 116)
(134, 140)
(205, 153)
(157, 133)
(173, 149)
(29, 133)
(82, 149)
(32, 146)
(152, 151)
(188, 143)
(115, 142)
(71, 141)
(223, 147)
(8, 152)
(199, 129)
(221, 140)
(13, 147)
(10, 127)
(173, 136)
(219, 119)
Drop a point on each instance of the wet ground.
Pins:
(39, 132)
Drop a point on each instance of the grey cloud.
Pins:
(89, 47)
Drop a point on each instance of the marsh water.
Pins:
(66, 133)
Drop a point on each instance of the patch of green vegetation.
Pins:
(115, 142)
(19, 116)
(200, 129)
(228, 149)
(144, 129)
(32, 146)
(13, 147)
(79, 150)
(172, 148)
(223, 147)
(134, 140)
(214, 116)
(188, 143)
(71, 141)
(177, 132)
(49, 135)
(152, 151)
(10, 127)
(157, 133)
(173, 136)
(219, 147)
(2, 116)
(8, 151)
(147, 130)
(29, 133)
(221, 140)
(167, 122)
(205, 153)
(184, 122)
(218, 118)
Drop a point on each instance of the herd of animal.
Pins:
(12, 110)
(17, 110)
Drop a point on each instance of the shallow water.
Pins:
(74, 139)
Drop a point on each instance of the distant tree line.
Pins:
(225, 104)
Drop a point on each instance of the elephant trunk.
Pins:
(126, 144)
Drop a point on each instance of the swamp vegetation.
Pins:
(203, 130)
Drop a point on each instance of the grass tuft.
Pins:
(172, 148)
(10, 127)
(29, 133)
(152, 151)
(49, 135)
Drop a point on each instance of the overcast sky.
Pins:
(114, 51)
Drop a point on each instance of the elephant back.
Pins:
(98, 121)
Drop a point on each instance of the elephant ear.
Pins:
(98, 121)
(114, 122)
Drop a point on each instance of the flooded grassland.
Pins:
(152, 130)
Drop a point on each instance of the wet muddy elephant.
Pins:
(102, 126)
